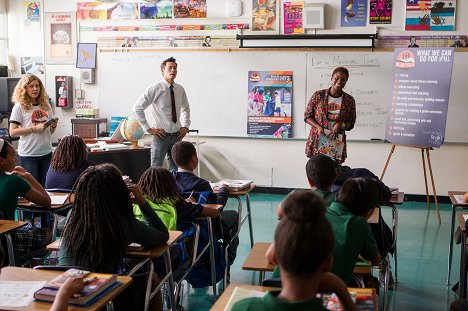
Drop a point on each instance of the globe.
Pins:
(131, 131)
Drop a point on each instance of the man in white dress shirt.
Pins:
(170, 109)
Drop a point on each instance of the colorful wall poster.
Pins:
(293, 23)
(417, 111)
(270, 104)
(458, 41)
(32, 16)
(91, 10)
(380, 11)
(264, 15)
(353, 13)
(430, 14)
(165, 41)
(60, 38)
(122, 10)
(190, 8)
(160, 9)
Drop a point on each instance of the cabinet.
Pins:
(88, 128)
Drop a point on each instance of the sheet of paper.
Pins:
(459, 198)
(58, 199)
(17, 294)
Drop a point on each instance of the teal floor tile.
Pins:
(422, 255)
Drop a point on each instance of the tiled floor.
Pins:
(422, 256)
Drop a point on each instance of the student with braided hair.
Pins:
(102, 224)
(304, 245)
(69, 160)
(160, 189)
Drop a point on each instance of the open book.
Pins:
(331, 147)
(233, 184)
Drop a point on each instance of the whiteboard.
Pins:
(216, 83)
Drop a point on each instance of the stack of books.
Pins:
(96, 286)
(87, 112)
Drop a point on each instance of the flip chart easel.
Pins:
(424, 150)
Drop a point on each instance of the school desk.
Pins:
(396, 199)
(7, 226)
(26, 274)
(455, 204)
(146, 255)
(223, 300)
(463, 246)
(248, 216)
(257, 261)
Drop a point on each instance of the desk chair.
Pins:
(5, 134)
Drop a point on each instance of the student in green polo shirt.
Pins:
(348, 216)
(304, 244)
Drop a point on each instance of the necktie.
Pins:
(174, 113)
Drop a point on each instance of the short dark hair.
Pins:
(342, 70)
(168, 60)
(304, 237)
(360, 195)
(182, 152)
(320, 169)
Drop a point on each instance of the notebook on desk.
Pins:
(233, 184)
(116, 136)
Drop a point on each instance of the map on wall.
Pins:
(430, 14)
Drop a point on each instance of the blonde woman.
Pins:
(31, 119)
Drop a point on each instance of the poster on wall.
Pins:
(380, 11)
(430, 15)
(157, 10)
(270, 104)
(60, 38)
(293, 23)
(353, 13)
(190, 8)
(121, 10)
(32, 16)
(91, 11)
(265, 16)
(456, 41)
(417, 113)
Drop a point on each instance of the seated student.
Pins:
(69, 160)
(345, 172)
(101, 225)
(159, 187)
(185, 157)
(304, 244)
(15, 181)
(320, 171)
(160, 190)
(348, 216)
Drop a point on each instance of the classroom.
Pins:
(221, 54)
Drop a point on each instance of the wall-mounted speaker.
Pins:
(233, 8)
(87, 75)
(314, 16)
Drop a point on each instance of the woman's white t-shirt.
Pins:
(33, 144)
